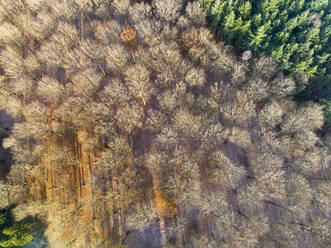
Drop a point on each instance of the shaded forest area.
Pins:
(130, 125)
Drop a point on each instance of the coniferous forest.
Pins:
(296, 34)
(164, 124)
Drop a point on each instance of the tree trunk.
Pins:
(159, 205)
(81, 26)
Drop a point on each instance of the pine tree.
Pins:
(14, 234)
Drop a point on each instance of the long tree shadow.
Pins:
(38, 227)
(6, 127)
(150, 237)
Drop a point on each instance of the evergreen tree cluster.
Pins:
(134, 127)
(296, 34)
(14, 234)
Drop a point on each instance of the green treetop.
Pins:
(13, 234)
(296, 34)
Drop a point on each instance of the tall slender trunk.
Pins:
(165, 207)
(81, 25)
(156, 176)
(204, 187)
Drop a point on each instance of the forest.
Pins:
(165, 124)
(296, 34)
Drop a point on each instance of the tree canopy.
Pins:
(135, 127)
(296, 34)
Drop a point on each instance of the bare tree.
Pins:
(133, 116)
(143, 216)
(168, 9)
(138, 78)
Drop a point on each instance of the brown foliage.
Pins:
(129, 37)
(166, 208)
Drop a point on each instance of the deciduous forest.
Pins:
(133, 124)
